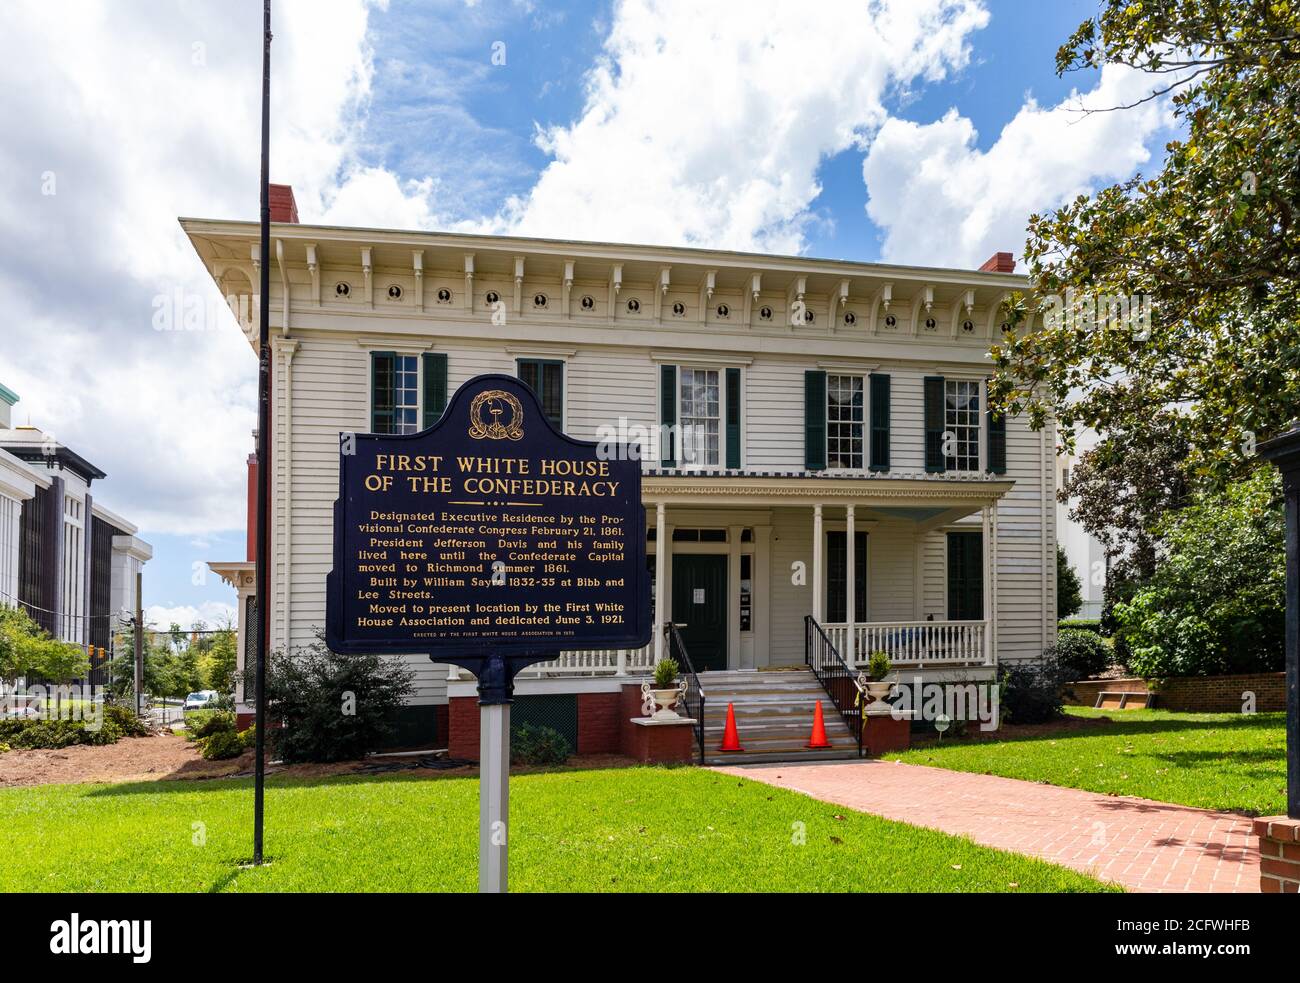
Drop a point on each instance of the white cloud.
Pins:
(142, 112)
(941, 201)
(213, 614)
(705, 125)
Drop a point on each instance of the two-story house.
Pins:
(816, 437)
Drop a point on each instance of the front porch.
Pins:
(902, 565)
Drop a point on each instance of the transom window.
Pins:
(700, 417)
(961, 438)
(844, 419)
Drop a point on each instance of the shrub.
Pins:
(333, 707)
(1082, 653)
(1069, 588)
(666, 672)
(221, 744)
(1216, 601)
(125, 720)
(200, 724)
(878, 665)
(5, 749)
(530, 745)
(1031, 691)
(57, 734)
(1081, 624)
(248, 737)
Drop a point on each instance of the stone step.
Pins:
(792, 755)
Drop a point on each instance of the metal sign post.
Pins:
(493, 797)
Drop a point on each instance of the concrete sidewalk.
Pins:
(1143, 845)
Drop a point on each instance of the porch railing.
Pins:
(693, 696)
(914, 643)
(598, 662)
(837, 678)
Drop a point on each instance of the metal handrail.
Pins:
(842, 684)
(693, 691)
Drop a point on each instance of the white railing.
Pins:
(598, 662)
(913, 643)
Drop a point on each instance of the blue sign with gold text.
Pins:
(490, 535)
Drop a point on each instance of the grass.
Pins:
(1226, 761)
(638, 829)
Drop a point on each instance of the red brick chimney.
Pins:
(997, 263)
(283, 207)
(250, 522)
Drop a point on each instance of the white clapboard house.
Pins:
(832, 457)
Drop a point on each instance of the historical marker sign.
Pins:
(491, 535)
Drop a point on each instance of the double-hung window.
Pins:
(546, 378)
(961, 436)
(701, 422)
(844, 421)
(396, 394)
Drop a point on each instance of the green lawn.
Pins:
(638, 829)
(1227, 761)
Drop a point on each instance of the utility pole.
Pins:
(138, 679)
(263, 446)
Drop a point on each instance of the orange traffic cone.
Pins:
(730, 736)
(818, 738)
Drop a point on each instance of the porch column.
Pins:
(986, 536)
(992, 629)
(661, 557)
(850, 640)
(817, 606)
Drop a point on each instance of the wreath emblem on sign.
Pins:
(496, 415)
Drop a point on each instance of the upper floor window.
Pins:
(546, 378)
(961, 425)
(844, 421)
(395, 394)
(701, 430)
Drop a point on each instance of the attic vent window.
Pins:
(968, 327)
(342, 289)
(444, 295)
(765, 313)
(809, 316)
(891, 321)
(930, 324)
(492, 297)
(679, 309)
(394, 291)
(850, 318)
(588, 302)
(539, 301)
(634, 306)
(1005, 326)
(724, 310)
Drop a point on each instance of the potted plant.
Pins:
(878, 667)
(665, 691)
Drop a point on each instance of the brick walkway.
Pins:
(1144, 845)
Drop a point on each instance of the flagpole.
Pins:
(263, 446)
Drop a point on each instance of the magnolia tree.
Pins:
(1171, 301)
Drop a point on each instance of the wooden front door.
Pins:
(700, 605)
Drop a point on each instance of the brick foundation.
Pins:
(883, 733)
(662, 743)
(1279, 854)
(1193, 694)
(462, 727)
(599, 730)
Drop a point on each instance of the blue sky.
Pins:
(918, 131)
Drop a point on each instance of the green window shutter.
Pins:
(545, 377)
(668, 415)
(965, 576)
(934, 417)
(879, 421)
(381, 391)
(435, 387)
(733, 418)
(997, 439)
(814, 420)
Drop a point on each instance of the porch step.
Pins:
(774, 715)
